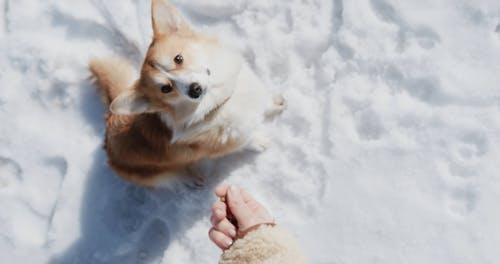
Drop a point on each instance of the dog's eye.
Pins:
(167, 88)
(178, 59)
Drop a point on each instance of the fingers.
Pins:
(226, 227)
(221, 190)
(220, 239)
(238, 206)
(218, 212)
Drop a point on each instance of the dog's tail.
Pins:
(112, 76)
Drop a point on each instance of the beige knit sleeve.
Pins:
(266, 244)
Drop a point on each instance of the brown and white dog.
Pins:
(194, 99)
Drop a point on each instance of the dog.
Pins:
(194, 99)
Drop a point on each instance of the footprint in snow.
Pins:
(368, 125)
(426, 89)
(466, 153)
(10, 173)
(424, 36)
(462, 201)
(462, 196)
(23, 193)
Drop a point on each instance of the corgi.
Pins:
(193, 99)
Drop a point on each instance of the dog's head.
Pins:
(185, 74)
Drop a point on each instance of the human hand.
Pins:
(246, 210)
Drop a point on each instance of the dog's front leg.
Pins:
(277, 106)
(259, 142)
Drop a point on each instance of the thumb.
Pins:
(238, 207)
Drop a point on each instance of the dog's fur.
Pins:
(151, 135)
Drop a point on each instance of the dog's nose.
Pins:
(195, 90)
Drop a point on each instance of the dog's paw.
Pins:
(260, 144)
(196, 179)
(279, 102)
(196, 183)
(277, 107)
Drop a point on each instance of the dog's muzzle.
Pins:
(195, 90)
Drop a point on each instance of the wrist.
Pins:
(242, 232)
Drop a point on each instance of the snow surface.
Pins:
(388, 152)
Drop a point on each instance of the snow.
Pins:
(387, 153)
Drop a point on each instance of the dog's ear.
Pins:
(130, 102)
(166, 19)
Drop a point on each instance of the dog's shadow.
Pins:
(124, 223)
